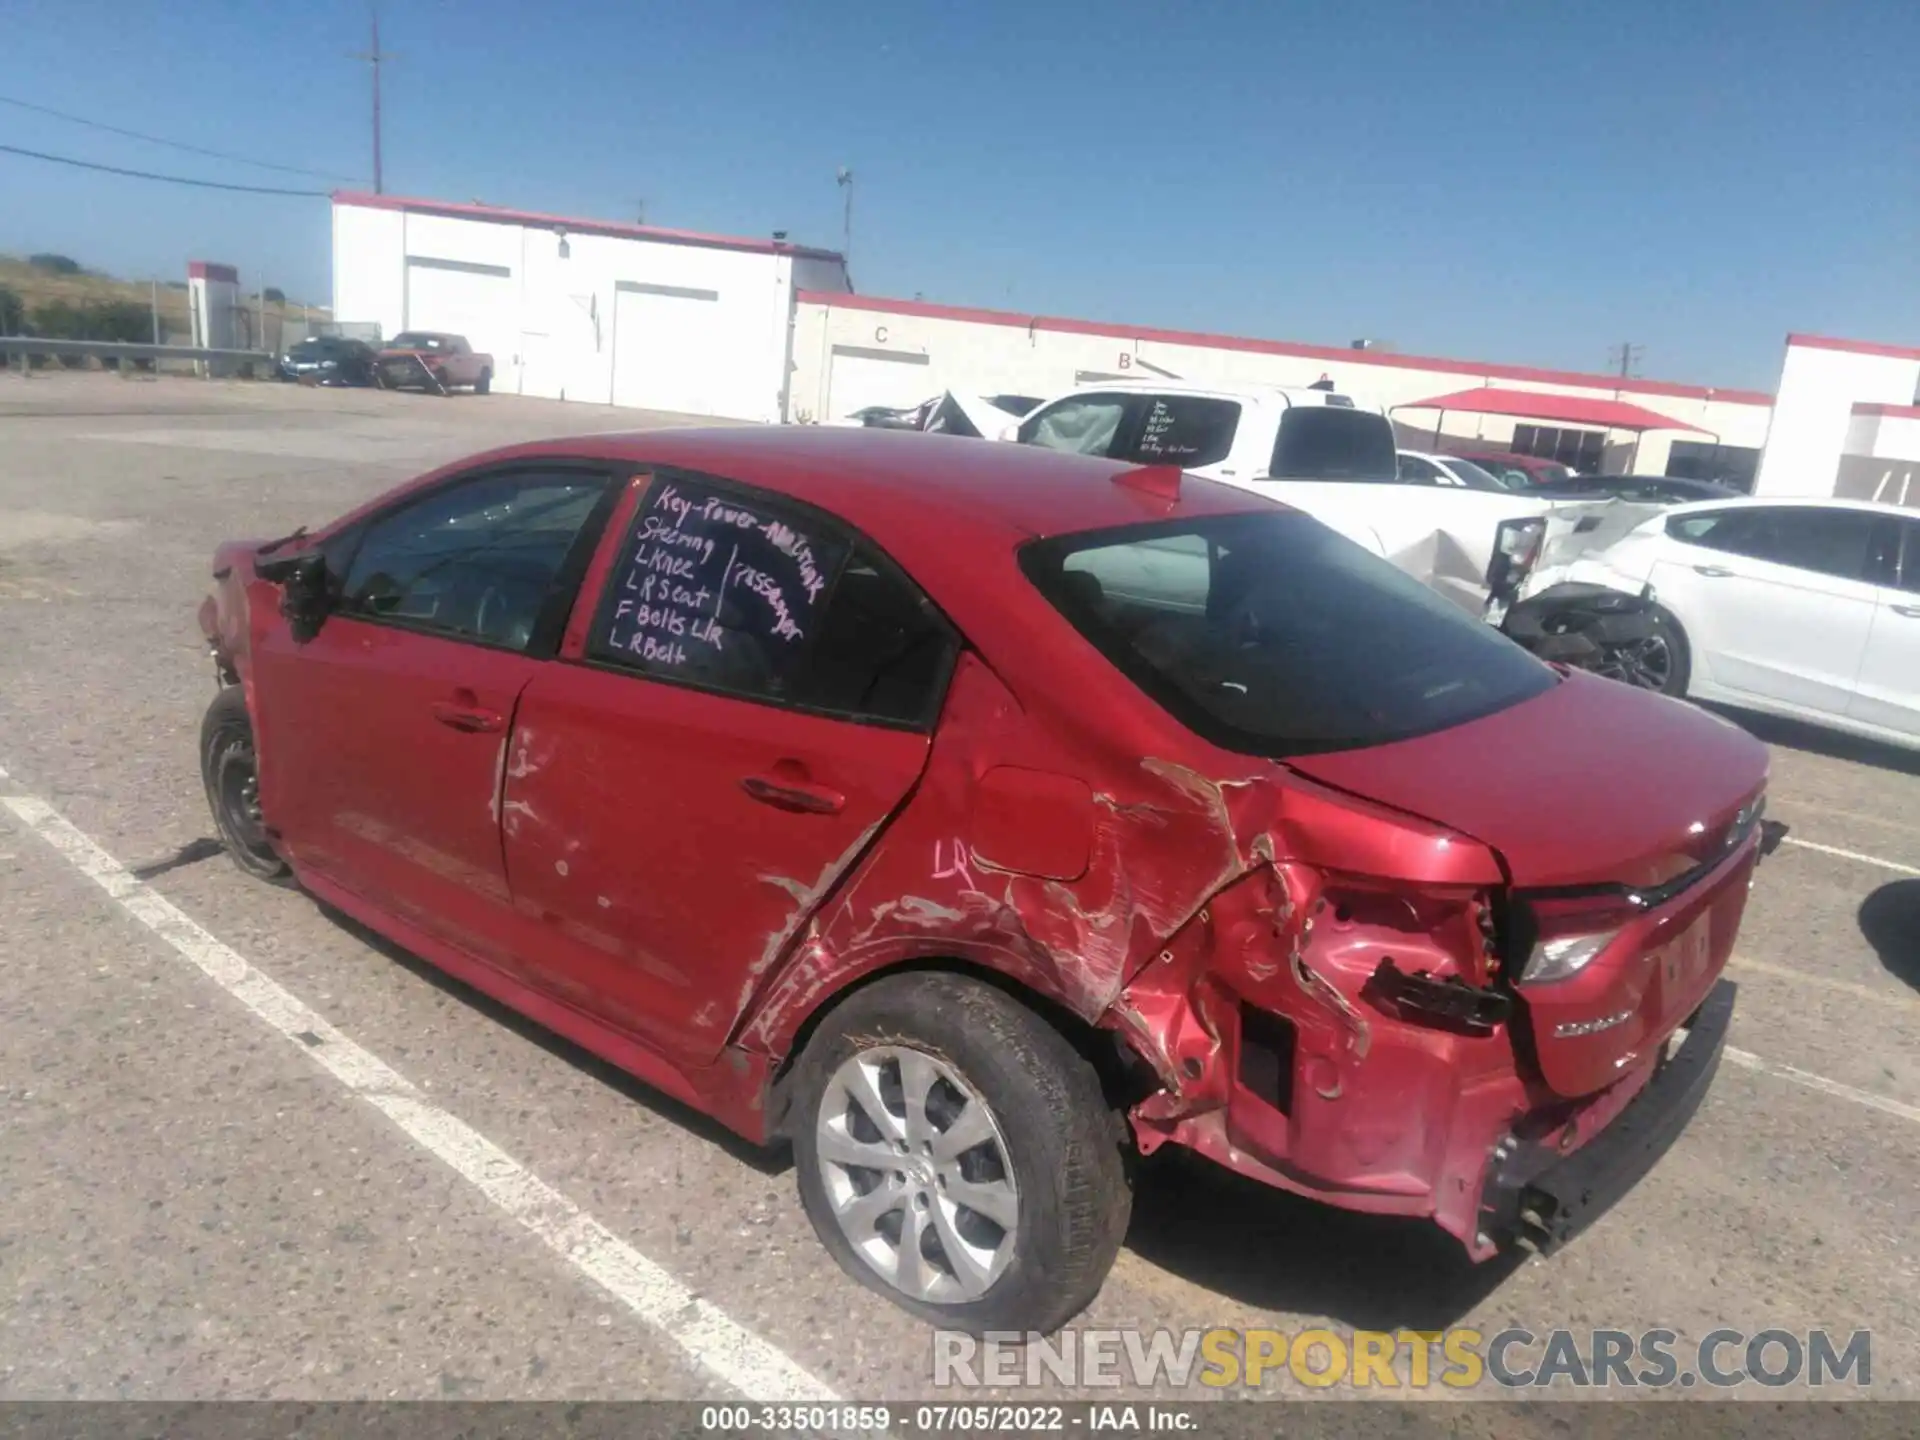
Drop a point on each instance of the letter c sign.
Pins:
(880, 334)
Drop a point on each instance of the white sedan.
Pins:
(1807, 608)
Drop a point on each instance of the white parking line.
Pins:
(1888, 995)
(717, 1343)
(1894, 865)
(1748, 1060)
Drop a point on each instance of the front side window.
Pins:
(1909, 570)
(1268, 634)
(1415, 471)
(1322, 442)
(476, 560)
(1185, 430)
(733, 592)
(1085, 425)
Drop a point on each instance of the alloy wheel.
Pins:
(917, 1174)
(1646, 663)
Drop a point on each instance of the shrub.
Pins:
(56, 264)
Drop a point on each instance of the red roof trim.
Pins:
(574, 226)
(1892, 412)
(1283, 347)
(1854, 347)
(212, 270)
(1553, 406)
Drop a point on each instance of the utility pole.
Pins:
(1626, 355)
(375, 57)
(844, 179)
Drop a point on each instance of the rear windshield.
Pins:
(1268, 634)
(412, 340)
(1323, 442)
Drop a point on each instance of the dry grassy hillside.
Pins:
(36, 286)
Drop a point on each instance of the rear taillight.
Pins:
(1564, 956)
(1562, 936)
(1516, 549)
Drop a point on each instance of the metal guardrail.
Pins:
(30, 345)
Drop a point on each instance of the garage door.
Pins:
(462, 298)
(668, 350)
(861, 376)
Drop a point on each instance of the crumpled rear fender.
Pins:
(1150, 901)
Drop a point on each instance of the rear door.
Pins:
(1775, 601)
(1888, 691)
(748, 704)
(383, 735)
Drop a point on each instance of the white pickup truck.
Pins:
(1315, 449)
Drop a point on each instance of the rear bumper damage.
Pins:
(1382, 1087)
(1536, 1196)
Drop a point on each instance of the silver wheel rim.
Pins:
(917, 1174)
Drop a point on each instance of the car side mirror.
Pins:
(305, 595)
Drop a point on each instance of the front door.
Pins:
(383, 736)
(750, 706)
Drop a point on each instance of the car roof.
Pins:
(1293, 394)
(905, 488)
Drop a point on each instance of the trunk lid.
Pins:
(1593, 782)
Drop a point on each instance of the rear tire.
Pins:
(1008, 1158)
(484, 383)
(230, 770)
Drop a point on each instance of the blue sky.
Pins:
(1522, 182)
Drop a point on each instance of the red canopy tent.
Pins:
(1563, 409)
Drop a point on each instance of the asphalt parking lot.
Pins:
(194, 1208)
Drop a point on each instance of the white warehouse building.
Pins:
(764, 330)
(583, 309)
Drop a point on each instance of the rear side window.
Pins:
(1268, 634)
(1186, 430)
(1804, 537)
(731, 592)
(1319, 442)
(1084, 425)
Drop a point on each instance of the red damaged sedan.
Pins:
(971, 816)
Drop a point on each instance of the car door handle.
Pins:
(789, 794)
(1712, 572)
(467, 717)
(1912, 612)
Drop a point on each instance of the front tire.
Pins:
(1661, 663)
(230, 769)
(484, 383)
(956, 1154)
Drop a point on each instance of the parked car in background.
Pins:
(1315, 449)
(431, 360)
(970, 816)
(1510, 466)
(1419, 468)
(1648, 489)
(329, 360)
(1804, 608)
